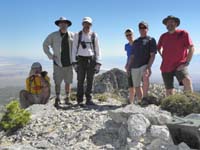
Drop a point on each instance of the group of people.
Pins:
(81, 52)
(176, 50)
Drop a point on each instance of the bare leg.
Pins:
(131, 95)
(145, 84)
(187, 84)
(67, 89)
(139, 93)
(169, 92)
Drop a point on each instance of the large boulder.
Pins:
(137, 125)
(155, 115)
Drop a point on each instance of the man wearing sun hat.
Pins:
(176, 49)
(86, 60)
(61, 44)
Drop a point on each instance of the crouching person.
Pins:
(37, 87)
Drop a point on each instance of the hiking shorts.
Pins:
(137, 75)
(130, 81)
(168, 77)
(62, 73)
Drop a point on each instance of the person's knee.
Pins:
(186, 81)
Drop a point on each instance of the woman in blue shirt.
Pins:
(128, 49)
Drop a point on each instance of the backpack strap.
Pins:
(79, 41)
(93, 42)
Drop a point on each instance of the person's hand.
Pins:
(126, 67)
(75, 66)
(54, 57)
(97, 68)
(181, 67)
(147, 72)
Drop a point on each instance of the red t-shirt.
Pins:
(175, 49)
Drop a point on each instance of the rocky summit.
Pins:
(107, 126)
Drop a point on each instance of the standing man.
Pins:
(86, 60)
(177, 51)
(142, 58)
(61, 44)
(128, 49)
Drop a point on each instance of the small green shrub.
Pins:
(101, 97)
(182, 104)
(14, 117)
(73, 96)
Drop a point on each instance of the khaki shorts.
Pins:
(137, 76)
(62, 73)
(168, 77)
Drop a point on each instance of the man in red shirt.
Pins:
(176, 50)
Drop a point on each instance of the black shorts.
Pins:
(130, 81)
(168, 77)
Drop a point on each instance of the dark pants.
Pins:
(86, 69)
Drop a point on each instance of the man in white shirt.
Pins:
(61, 44)
(86, 60)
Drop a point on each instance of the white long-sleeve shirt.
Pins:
(88, 51)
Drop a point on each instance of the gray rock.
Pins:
(18, 147)
(137, 125)
(159, 144)
(183, 146)
(161, 132)
(152, 112)
(193, 116)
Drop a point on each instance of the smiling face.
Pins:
(86, 27)
(171, 25)
(129, 36)
(143, 30)
(63, 25)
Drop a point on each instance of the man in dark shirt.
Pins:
(142, 58)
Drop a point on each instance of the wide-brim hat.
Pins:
(177, 20)
(63, 19)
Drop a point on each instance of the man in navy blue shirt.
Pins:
(128, 49)
(141, 60)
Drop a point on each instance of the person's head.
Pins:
(129, 35)
(143, 28)
(63, 23)
(171, 23)
(87, 24)
(36, 68)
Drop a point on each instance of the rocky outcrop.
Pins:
(115, 81)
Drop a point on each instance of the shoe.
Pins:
(67, 101)
(81, 104)
(90, 102)
(57, 102)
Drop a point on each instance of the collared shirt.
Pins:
(88, 51)
(54, 41)
(175, 49)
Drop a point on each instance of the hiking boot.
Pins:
(57, 102)
(81, 104)
(67, 101)
(90, 102)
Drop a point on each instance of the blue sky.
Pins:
(26, 23)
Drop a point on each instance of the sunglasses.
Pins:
(143, 27)
(128, 35)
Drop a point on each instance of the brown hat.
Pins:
(63, 19)
(177, 20)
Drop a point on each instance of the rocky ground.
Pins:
(108, 126)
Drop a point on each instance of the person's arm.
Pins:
(97, 50)
(159, 46)
(46, 44)
(74, 48)
(190, 53)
